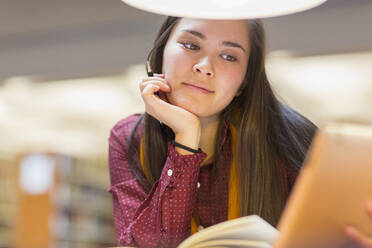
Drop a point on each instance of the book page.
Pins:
(248, 228)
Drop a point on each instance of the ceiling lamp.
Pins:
(223, 9)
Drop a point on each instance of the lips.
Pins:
(198, 86)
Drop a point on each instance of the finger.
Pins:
(154, 79)
(163, 86)
(150, 89)
(148, 94)
(154, 105)
(155, 76)
(358, 237)
(158, 75)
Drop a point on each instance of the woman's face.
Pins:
(208, 54)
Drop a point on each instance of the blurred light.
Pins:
(36, 174)
(326, 88)
(70, 116)
(3, 109)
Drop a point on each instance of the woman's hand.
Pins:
(184, 124)
(357, 236)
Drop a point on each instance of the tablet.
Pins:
(331, 190)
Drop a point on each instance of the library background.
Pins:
(69, 70)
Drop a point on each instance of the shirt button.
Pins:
(170, 172)
(198, 185)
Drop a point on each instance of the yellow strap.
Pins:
(234, 205)
(194, 227)
(144, 168)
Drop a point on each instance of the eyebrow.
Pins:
(202, 36)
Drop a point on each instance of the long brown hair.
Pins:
(268, 133)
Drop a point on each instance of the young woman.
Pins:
(214, 143)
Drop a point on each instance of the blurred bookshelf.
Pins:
(71, 209)
(8, 199)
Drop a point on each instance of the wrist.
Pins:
(186, 148)
(189, 139)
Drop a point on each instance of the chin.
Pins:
(193, 109)
(197, 110)
(190, 106)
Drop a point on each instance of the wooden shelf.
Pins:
(76, 210)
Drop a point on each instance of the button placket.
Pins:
(171, 173)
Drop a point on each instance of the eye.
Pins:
(229, 57)
(190, 46)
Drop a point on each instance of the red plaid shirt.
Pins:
(161, 217)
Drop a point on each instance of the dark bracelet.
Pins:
(185, 147)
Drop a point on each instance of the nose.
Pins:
(204, 67)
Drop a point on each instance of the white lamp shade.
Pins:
(222, 9)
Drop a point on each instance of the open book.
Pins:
(249, 231)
